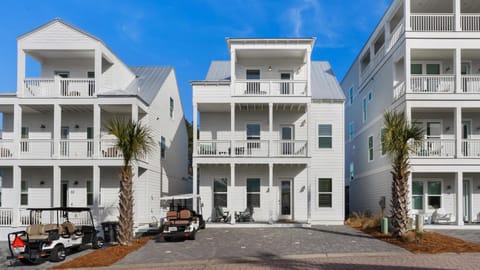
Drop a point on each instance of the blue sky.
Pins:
(189, 34)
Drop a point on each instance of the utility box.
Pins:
(384, 225)
(110, 232)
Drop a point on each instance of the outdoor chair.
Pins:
(221, 216)
(245, 216)
(439, 216)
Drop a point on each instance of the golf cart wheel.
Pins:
(192, 235)
(58, 253)
(97, 242)
(31, 261)
(167, 239)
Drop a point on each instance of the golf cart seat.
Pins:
(184, 217)
(35, 232)
(71, 230)
(172, 215)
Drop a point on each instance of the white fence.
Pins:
(470, 22)
(251, 148)
(7, 148)
(65, 87)
(432, 22)
(398, 90)
(471, 83)
(471, 148)
(270, 88)
(283, 148)
(432, 83)
(6, 216)
(434, 148)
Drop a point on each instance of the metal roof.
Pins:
(146, 85)
(324, 83)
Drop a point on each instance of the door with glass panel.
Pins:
(286, 143)
(253, 82)
(286, 84)
(64, 143)
(434, 142)
(468, 148)
(467, 207)
(286, 199)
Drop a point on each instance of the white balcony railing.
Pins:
(213, 148)
(6, 216)
(398, 90)
(471, 83)
(7, 148)
(434, 148)
(470, 22)
(471, 148)
(250, 148)
(109, 150)
(395, 36)
(270, 88)
(432, 83)
(63, 87)
(76, 148)
(432, 22)
(284, 148)
(36, 149)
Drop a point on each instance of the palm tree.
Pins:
(398, 134)
(134, 141)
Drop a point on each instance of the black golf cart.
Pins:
(51, 233)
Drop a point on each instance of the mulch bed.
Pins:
(104, 257)
(432, 243)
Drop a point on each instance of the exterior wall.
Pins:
(296, 66)
(327, 163)
(78, 68)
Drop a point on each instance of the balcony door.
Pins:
(64, 144)
(287, 137)
(434, 134)
(64, 194)
(90, 141)
(63, 83)
(253, 87)
(467, 201)
(286, 84)
(466, 135)
(91, 84)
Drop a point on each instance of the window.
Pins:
(351, 131)
(364, 109)
(350, 95)
(370, 148)
(416, 69)
(253, 131)
(24, 193)
(370, 96)
(220, 192)
(24, 146)
(324, 192)
(253, 74)
(89, 193)
(417, 195)
(434, 197)
(352, 171)
(253, 192)
(171, 107)
(382, 139)
(163, 148)
(324, 136)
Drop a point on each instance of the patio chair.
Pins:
(245, 216)
(439, 216)
(221, 216)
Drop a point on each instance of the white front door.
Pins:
(467, 194)
(286, 199)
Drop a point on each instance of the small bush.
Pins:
(364, 221)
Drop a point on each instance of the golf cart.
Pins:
(181, 222)
(51, 233)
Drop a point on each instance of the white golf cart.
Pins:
(51, 233)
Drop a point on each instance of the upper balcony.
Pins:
(284, 87)
(58, 87)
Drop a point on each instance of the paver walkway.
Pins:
(397, 262)
(260, 242)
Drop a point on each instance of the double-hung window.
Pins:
(220, 192)
(324, 136)
(364, 109)
(417, 195)
(163, 148)
(253, 192)
(350, 95)
(351, 131)
(24, 193)
(434, 196)
(89, 193)
(324, 192)
(171, 107)
(370, 148)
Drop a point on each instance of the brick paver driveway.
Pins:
(232, 243)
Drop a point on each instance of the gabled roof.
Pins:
(146, 85)
(58, 20)
(325, 85)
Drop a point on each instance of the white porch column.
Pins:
(195, 186)
(134, 112)
(17, 182)
(17, 128)
(458, 71)
(458, 132)
(195, 130)
(233, 60)
(408, 69)
(387, 35)
(410, 191)
(270, 128)
(57, 126)
(96, 191)
(309, 195)
(232, 129)
(459, 197)
(458, 12)
(406, 6)
(408, 112)
(270, 193)
(20, 71)
(98, 70)
(231, 193)
(97, 118)
(311, 141)
(57, 180)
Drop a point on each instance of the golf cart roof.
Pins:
(180, 197)
(67, 209)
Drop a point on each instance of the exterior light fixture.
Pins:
(42, 126)
(270, 68)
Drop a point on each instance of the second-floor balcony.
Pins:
(59, 87)
(445, 148)
(270, 88)
(67, 149)
(251, 148)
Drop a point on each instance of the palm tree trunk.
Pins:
(125, 234)
(400, 198)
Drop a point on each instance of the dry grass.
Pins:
(424, 243)
(103, 257)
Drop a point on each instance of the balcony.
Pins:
(67, 149)
(422, 22)
(59, 87)
(270, 88)
(434, 148)
(432, 83)
(471, 148)
(470, 22)
(251, 148)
